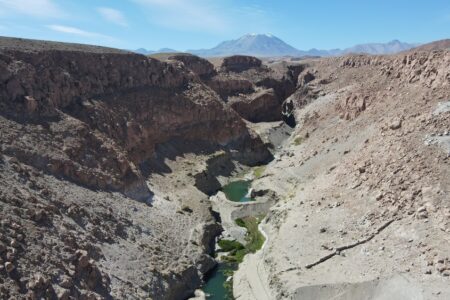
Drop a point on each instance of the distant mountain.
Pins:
(267, 45)
(437, 45)
(148, 52)
(251, 44)
(391, 47)
(317, 52)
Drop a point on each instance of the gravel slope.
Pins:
(365, 211)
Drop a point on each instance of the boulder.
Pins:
(287, 113)
(395, 124)
(9, 267)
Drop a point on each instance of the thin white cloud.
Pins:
(34, 8)
(189, 15)
(251, 10)
(113, 15)
(79, 32)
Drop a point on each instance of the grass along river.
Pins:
(219, 283)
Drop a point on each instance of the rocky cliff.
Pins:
(100, 115)
(255, 91)
(78, 127)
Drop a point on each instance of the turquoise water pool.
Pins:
(215, 288)
(237, 191)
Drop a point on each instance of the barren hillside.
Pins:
(365, 186)
(437, 45)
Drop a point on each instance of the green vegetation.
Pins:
(236, 252)
(258, 171)
(239, 222)
(298, 140)
(235, 256)
(228, 285)
(254, 240)
(227, 245)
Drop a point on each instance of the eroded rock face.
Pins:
(77, 126)
(239, 63)
(198, 65)
(227, 87)
(305, 78)
(283, 78)
(255, 91)
(353, 105)
(262, 106)
(93, 117)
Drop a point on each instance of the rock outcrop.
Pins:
(117, 106)
(261, 106)
(79, 126)
(240, 63)
(257, 91)
(200, 66)
(227, 86)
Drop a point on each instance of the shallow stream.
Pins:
(216, 284)
(215, 288)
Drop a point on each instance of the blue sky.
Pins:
(194, 24)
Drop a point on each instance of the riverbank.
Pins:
(250, 280)
(240, 220)
(223, 175)
(230, 254)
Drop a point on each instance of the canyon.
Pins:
(113, 166)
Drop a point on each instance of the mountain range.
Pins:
(267, 45)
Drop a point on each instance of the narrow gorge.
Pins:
(131, 177)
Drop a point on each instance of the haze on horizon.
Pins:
(195, 24)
